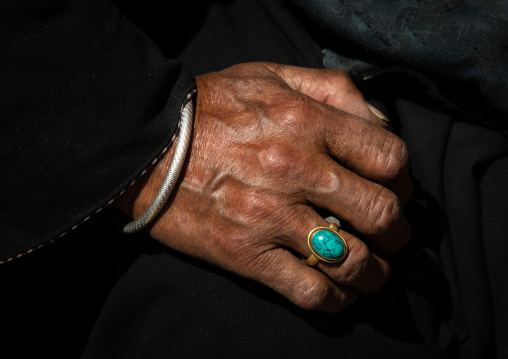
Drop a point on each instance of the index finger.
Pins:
(331, 86)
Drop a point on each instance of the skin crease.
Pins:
(270, 144)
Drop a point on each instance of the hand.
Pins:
(271, 144)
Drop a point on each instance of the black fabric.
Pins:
(170, 305)
(461, 44)
(457, 304)
(51, 298)
(87, 102)
(137, 298)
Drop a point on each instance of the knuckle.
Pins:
(312, 293)
(343, 80)
(393, 157)
(296, 108)
(328, 182)
(357, 263)
(322, 180)
(340, 75)
(277, 158)
(246, 254)
(255, 207)
(339, 79)
(383, 211)
(234, 241)
(253, 203)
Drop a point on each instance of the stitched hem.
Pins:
(104, 205)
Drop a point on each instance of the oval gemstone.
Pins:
(328, 244)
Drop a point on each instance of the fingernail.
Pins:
(378, 113)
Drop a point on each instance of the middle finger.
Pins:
(370, 208)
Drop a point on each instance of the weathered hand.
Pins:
(271, 144)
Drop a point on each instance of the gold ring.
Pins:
(326, 244)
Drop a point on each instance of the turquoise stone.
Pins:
(327, 244)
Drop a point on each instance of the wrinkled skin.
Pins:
(271, 144)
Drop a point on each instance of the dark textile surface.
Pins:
(87, 101)
(461, 43)
(446, 299)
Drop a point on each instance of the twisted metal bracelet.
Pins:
(181, 147)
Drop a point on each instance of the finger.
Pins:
(368, 150)
(364, 148)
(375, 154)
(368, 207)
(333, 87)
(304, 286)
(361, 268)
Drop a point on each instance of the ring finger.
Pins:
(360, 267)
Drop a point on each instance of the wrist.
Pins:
(171, 174)
(138, 196)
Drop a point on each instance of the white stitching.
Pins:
(89, 216)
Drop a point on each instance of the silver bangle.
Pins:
(181, 147)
